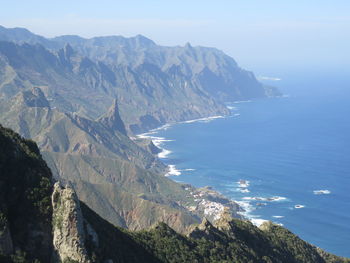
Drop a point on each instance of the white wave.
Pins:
(299, 206)
(164, 154)
(236, 114)
(269, 78)
(277, 198)
(145, 135)
(242, 101)
(188, 170)
(243, 183)
(207, 119)
(164, 127)
(266, 199)
(246, 206)
(321, 192)
(172, 171)
(244, 190)
(277, 216)
(158, 141)
(168, 125)
(231, 107)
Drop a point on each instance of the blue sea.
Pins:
(283, 159)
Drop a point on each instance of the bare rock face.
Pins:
(205, 230)
(113, 120)
(68, 226)
(35, 98)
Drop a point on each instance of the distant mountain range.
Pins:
(82, 100)
(153, 84)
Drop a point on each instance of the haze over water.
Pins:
(293, 154)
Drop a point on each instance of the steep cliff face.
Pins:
(68, 226)
(112, 119)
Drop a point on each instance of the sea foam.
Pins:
(321, 192)
(208, 119)
(172, 171)
(266, 199)
(164, 154)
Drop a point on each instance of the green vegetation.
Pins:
(25, 197)
(233, 241)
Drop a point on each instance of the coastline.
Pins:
(265, 199)
(203, 196)
(246, 205)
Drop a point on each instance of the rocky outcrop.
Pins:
(35, 98)
(112, 119)
(204, 230)
(68, 226)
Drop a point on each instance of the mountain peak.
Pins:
(113, 120)
(143, 41)
(188, 45)
(68, 50)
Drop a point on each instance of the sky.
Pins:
(262, 35)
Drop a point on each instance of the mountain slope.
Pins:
(114, 176)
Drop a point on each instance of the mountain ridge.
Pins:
(149, 72)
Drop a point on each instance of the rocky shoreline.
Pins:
(207, 203)
(211, 204)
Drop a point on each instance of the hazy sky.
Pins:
(259, 34)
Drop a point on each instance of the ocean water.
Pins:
(284, 159)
